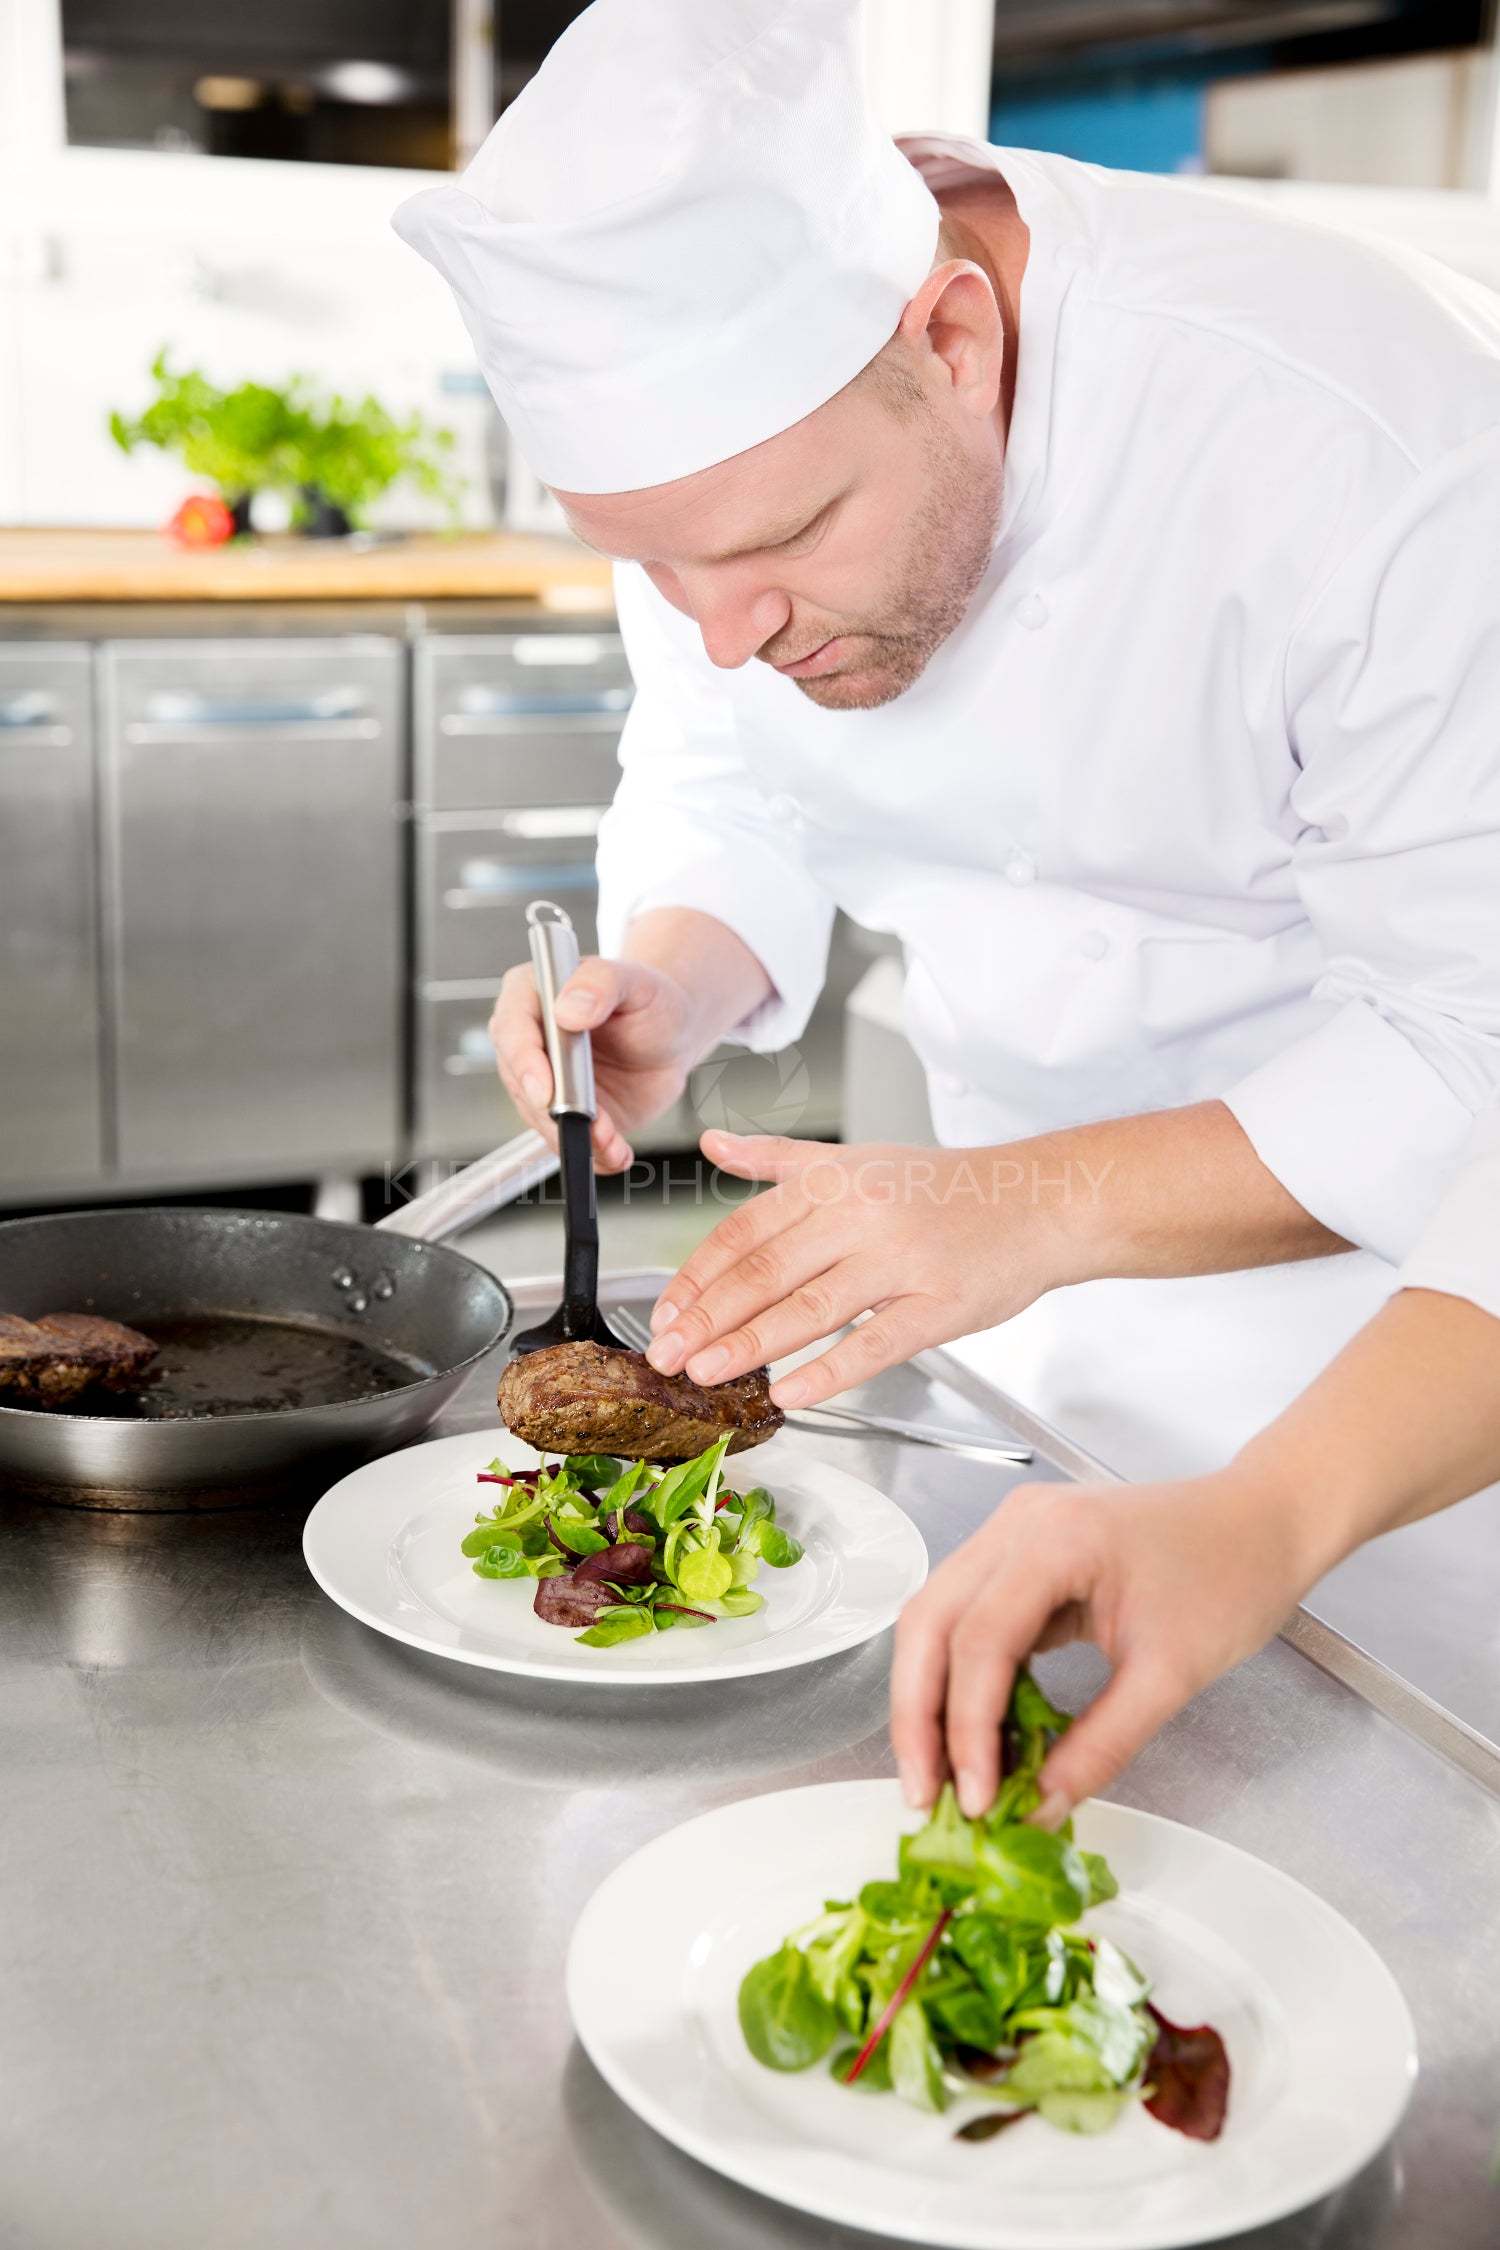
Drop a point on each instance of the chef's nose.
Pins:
(735, 617)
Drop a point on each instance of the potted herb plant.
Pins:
(332, 458)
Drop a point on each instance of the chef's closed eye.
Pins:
(806, 536)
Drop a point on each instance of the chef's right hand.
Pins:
(641, 1023)
(1173, 1582)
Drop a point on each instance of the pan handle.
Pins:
(471, 1195)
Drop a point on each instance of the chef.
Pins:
(1090, 581)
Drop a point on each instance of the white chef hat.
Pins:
(684, 235)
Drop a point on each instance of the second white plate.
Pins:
(384, 1544)
(1320, 2042)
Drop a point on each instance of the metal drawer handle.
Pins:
(473, 1056)
(550, 824)
(494, 882)
(516, 703)
(561, 648)
(550, 719)
(168, 708)
(309, 730)
(32, 709)
(30, 722)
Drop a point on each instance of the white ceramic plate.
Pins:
(384, 1544)
(1322, 2053)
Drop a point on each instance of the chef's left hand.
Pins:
(933, 1243)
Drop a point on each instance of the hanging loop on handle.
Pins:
(554, 956)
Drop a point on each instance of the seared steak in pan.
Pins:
(586, 1398)
(47, 1362)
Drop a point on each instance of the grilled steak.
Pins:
(47, 1362)
(585, 1398)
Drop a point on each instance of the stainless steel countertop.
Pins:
(284, 1907)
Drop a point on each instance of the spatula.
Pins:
(554, 955)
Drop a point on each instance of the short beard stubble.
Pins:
(952, 540)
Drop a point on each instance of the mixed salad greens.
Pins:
(964, 1977)
(629, 1548)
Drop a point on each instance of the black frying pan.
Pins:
(274, 1322)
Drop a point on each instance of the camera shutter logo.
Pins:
(718, 1091)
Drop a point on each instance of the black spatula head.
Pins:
(554, 957)
(577, 1319)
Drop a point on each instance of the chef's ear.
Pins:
(953, 324)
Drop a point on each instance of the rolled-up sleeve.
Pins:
(1458, 1252)
(1393, 701)
(689, 827)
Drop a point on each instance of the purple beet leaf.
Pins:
(1188, 2074)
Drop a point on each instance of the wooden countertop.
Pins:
(146, 566)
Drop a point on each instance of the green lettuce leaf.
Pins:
(597, 1471)
(786, 2021)
(615, 1625)
(506, 1558)
(916, 2064)
(1031, 1876)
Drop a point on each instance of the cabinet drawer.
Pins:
(477, 873)
(521, 762)
(561, 668)
(519, 718)
(237, 693)
(461, 1109)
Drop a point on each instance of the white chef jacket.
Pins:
(1459, 1252)
(1201, 799)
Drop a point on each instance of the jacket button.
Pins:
(1093, 945)
(784, 808)
(1032, 613)
(1020, 869)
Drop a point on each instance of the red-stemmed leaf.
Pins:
(892, 2008)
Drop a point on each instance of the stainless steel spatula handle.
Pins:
(554, 956)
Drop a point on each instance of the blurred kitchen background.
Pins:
(270, 811)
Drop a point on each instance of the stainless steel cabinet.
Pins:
(252, 886)
(516, 738)
(516, 759)
(217, 959)
(51, 1124)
